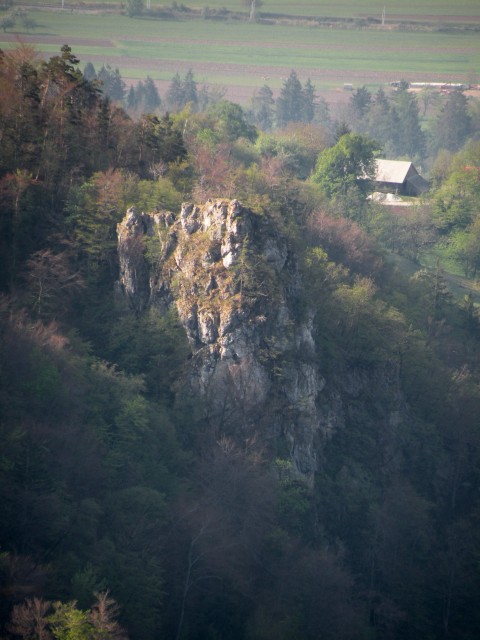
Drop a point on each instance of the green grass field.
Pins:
(242, 55)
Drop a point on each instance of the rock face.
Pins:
(234, 281)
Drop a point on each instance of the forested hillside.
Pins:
(329, 490)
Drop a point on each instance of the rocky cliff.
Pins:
(233, 278)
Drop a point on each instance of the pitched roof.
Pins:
(419, 184)
(394, 171)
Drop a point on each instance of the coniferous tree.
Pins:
(189, 88)
(322, 114)
(395, 133)
(69, 99)
(295, 102)
(112, 84)
(104, 78)
(453, 124)
(381, 122)
(263, 108)
(341, 129)
(21, 114)
(208, 96)
(175, 93)
(151, 98)
(308, 102)
(116, 89)
(89, 72)
(411, 141)
(290, 103)
(182, 92)
(204, 98)
(359, 104)
(360, 101)
(139, 94)
(131, 102)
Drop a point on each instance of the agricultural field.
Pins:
(411, 9)
(240, 57)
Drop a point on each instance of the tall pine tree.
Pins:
(411, 141)
(453, 125)
(263, 108)
(290, 103)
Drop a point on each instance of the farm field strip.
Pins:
(75, 26)
(349, 8)
(106, 26)
(416, 9)
(244, 54)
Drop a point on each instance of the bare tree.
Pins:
(50, 281)
(221, 532)
(103, 617)
(253, 5)
(29, 620)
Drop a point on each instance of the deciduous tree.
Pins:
(51, 283)
(350, 164)
(29, 620)
(135, 8)
(7, 23)
(466, 248)
(231, 122)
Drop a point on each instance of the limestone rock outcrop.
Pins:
(234, 281)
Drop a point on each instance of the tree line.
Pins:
(395, 120)
(404, 123)
(295, 103)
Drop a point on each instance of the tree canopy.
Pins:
(127, 510)
(349, 164)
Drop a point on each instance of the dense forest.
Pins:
(123, 512)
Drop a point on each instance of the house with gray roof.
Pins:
(400, 177)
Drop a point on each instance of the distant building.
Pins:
(438, 86)
(400, 177)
